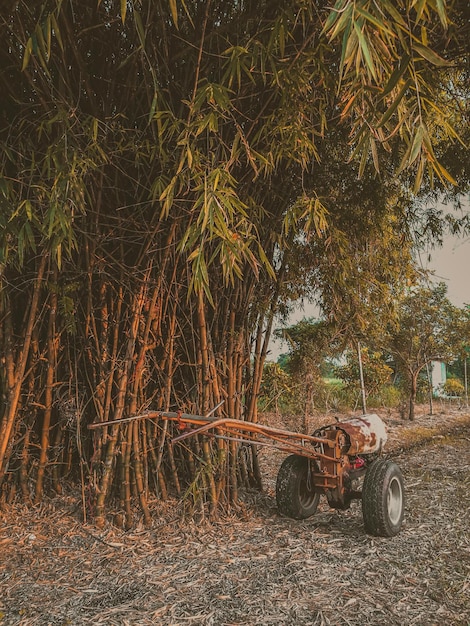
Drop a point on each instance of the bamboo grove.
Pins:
(171, 174)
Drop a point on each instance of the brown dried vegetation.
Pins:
(253, 566)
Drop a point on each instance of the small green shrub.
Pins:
(277, 389)
(453, 387)
(388, 396)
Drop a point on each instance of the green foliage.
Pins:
(329, 395)
(277, 389)
(310, 342)
(397, 73)
(193, 76)
(387, 396)
(453, 387)
(456, 369)
(429, 328)
(377, 374)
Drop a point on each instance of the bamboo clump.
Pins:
(169, 182)
(142, 350)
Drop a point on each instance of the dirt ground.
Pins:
(254, 567)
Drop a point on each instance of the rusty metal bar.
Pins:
(227, 423)
(292, 448)
(278, 434)
(184, 417)
(250, 433)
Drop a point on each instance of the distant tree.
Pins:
(375, 370)
(429, 328)
(311, 342)
(276, 387)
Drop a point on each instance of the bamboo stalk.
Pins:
(139, 476)
(58, 445)
(162, 485)
(119, 410)
(110, 451)
(145, 459)
(230, 360)
(126, 449)
(9, 359)
(210, 475)
(15, 392)
(24, 464)
(205, 373)
(52, 341)
(111, 374)
(232, 461)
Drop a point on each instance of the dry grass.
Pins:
(256, 567)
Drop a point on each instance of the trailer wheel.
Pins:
(383, 499)
(295, 494)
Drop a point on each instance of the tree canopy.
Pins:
(430, 328)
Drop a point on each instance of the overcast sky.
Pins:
(451, 264)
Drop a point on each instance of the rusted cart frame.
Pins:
(330, 461)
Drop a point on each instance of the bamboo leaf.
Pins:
(424, 36)
(380, 24)
(57, 31)
(393, 107)
(167, 197)
(363, 161)
(417, 143)
(443, 174)
(57, 250)
(419, 175)
(94, 129)
(48, 35)
(123, 10)
(442, 13)
(344, 20)
(29, 210)
(27, 54)
(153, 107)
(397, 74)
(420, 6)
(348, 105)
(391, 9)
(174, 12)
(344, 47)
(265, 261)
(365, 49)
(140, 27)
(375, 156)
(189, 156)
(430, 55)
(334, 15)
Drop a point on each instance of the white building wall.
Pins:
(438, 376)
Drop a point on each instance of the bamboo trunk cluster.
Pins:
(130, 343)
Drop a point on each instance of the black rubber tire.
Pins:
(383, 499)
(295, 494)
